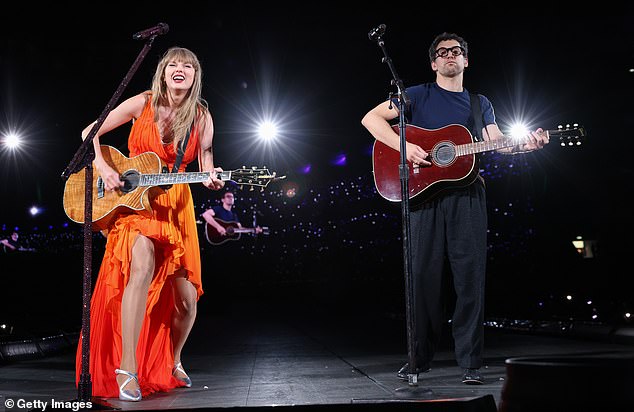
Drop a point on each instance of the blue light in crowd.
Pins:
(340, 160)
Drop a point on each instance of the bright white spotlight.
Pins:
(34, 210)
(267, 130)
(518, 131)
(12, 141)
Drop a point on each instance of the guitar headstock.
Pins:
(251, 176)
(569, 135)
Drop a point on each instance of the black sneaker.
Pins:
(404, 371)
(472, 377)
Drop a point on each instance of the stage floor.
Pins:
(253, 355)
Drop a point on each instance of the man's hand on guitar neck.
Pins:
(532, 141)
(536, 140)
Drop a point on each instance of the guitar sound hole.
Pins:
(130, 181)
(444, 154)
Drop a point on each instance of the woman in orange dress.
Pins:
(144, 302)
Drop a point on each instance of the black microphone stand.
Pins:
(83, 158)
(403, 102)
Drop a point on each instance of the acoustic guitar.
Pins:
(233, 231)
(452, 151)
(144, 177)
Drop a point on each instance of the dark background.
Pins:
(312, 68)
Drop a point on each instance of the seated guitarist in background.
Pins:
(11, 243)
(144, 302)
(224, 211)
(452, 225)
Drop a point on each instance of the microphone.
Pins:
(160, 28)
(377, 32)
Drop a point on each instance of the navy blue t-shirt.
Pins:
(432, 107)
(224, 214)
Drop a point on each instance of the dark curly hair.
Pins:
(447, 36)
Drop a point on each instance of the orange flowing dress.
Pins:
(173, 231)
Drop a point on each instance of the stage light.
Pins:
(34, 210)
(12, 141)
(586, 248)
(267, 130)
(518, 130)
(6, 329)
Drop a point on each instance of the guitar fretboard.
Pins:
(501, 143)
(160, 179)
(487, 145)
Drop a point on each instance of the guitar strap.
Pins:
(476, 116)
(181, 151)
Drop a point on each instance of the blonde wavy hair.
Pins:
(193, 104)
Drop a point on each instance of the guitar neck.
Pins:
(243, 230)
(501, 143)
(160, 179)
(487, 145)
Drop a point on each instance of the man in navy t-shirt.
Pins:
(451, 226)
(224, 211)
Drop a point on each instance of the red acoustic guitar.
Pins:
(452, 152)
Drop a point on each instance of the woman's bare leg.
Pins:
(133, 304)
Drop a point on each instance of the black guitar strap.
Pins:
(181, 151)
(476, 116)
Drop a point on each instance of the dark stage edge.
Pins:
(254, 357)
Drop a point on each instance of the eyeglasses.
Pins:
(444, 52)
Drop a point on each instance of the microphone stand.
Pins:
(403, 102)
(83, 158)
